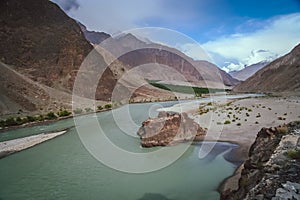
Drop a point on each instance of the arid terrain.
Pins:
(239, 95)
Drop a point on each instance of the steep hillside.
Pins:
(41, 43)
(20, 96)
(93, 36)
(281, 75)
(248, 71)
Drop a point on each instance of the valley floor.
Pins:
(233, 120)
(239, 121)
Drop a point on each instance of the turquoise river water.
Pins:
(63, 169)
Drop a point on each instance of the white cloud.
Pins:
(113, 16)
(233, 67)
(279, 36)
(258, 56)
(116, 16)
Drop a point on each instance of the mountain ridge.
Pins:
(43, 49)
(133, 52)
(248, 71)
(281, 75)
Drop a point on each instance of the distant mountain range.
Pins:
(281, 75)
(42, 49)
(184, 70)
(248, 71)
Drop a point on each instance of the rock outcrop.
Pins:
(271, 172)
(168, 129)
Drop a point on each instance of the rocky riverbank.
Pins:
(272, 170)
(168, 129)
(16, 145)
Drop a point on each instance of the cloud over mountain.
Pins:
(279, 36)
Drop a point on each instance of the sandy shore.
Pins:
(12, 146)
(245, 117)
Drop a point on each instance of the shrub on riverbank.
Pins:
(107, 106)
(77, 111)
(88, 110)
(51, 115)
(63, 113)
(19, 120)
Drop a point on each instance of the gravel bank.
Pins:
(16, 145)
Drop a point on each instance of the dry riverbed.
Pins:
(239, 120)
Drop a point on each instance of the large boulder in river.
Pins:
(169, 128)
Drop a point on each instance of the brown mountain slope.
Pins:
(281, 75)
(93, 36)
(44, 49)
(41, 41)
(248, 71)
(21, 96)
(134, 52)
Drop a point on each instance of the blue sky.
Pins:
(215, 24)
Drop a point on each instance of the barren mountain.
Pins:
(41, 41)
(22, 96)
(248, 71)
(42, 47)
(93, 36)
(152, 59)
(281, 75)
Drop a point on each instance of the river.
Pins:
(63, 168)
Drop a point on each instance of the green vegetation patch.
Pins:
(63, 113)
(50, 116)
(107, 106)
(184, 89)
(227, 122)
(294, 154)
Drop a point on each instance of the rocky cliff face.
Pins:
(273, 168)
(281, 75)
(169, 128)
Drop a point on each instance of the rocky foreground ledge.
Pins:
(273, 168)
(169, 128)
